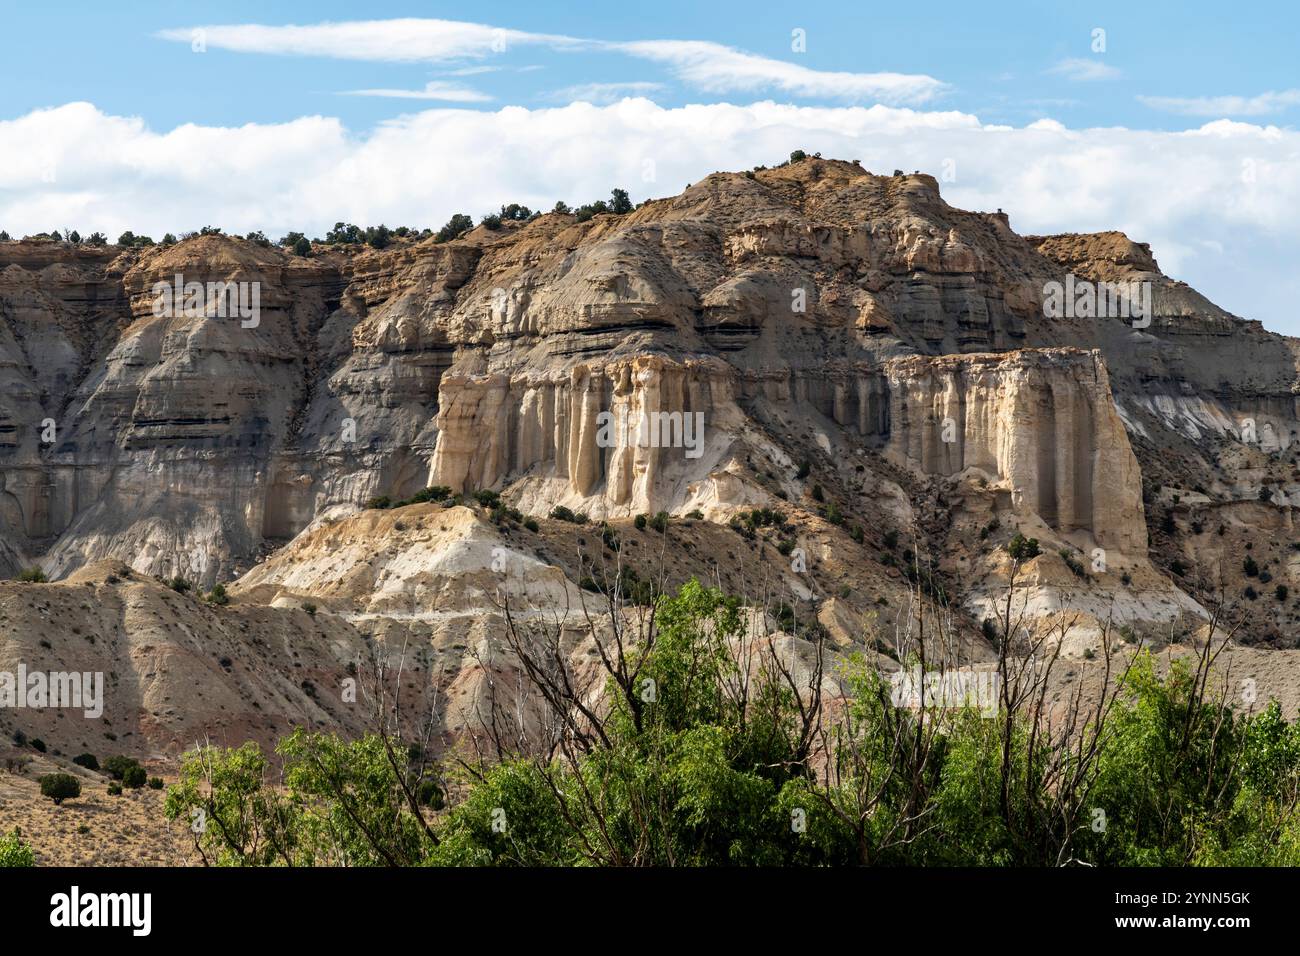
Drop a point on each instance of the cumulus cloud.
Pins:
(1228, 182)
(712, 67)
(1084, 70)
(1273, 101)
(604, 93)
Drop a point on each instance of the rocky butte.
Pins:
(842, 347)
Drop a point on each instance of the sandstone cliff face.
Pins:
(1040, 423)
(626, 436)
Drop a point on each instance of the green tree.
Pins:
(235, 817)
(619, 203)
(1023, 549)
(59, 787)
(89, 761)
(14, 852)
(456, 226)
(117, 766)
(134, 777)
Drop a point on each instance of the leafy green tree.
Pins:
(456, 226)
(620, 204)
(235, 817)
(1023, 549)
(14, 852)
(343, 233)
(353, 803)
(590, 210)
(117, 766)
(1186, 781)
(59, 787)
(134, 777)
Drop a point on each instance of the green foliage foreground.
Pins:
(709, 769)
(14, 852)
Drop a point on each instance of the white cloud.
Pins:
(1228, 182)
(433, 90)
(1085, 70)
(720, 69)
(708, 66)
(603, 93)
(1273, 101)
(407, 40)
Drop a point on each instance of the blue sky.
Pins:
(1180, 131)
(997, 59)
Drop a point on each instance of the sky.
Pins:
(1173, 122)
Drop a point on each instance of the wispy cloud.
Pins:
(433, 90)
(708, 66)
(1084, 70)
(722, 69)
(406, 40)
(603, 93)
(1273, 101)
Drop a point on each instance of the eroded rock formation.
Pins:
(1041, 423)
(813, 314)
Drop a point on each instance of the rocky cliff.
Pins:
(811, 337)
